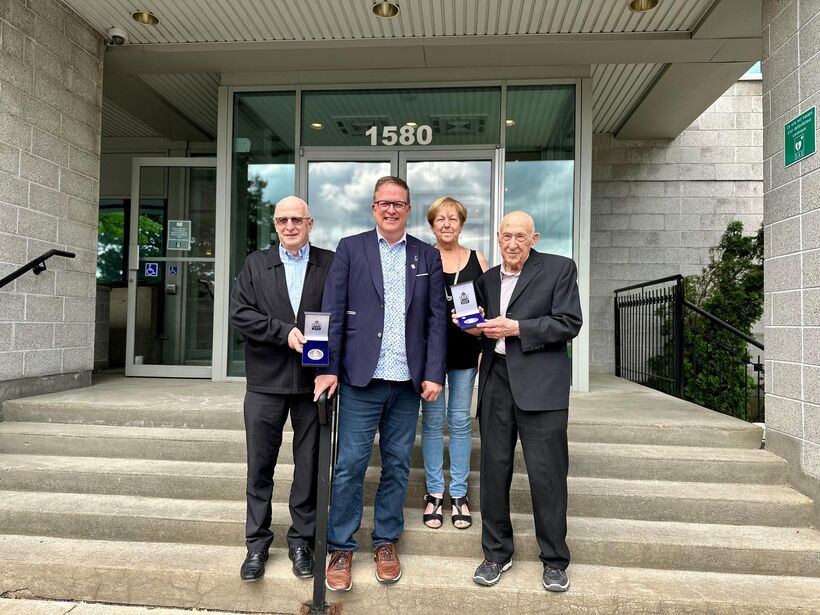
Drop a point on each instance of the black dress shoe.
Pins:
(302, 558)
(254, 566)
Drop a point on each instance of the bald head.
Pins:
(291, 206)
(516, 237)
(519, 219)
(293, 223)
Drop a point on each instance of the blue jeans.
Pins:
(459, 395)
(393, 409)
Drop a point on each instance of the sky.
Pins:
(340, 195)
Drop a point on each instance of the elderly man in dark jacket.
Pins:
(268, 303)
(532, 311)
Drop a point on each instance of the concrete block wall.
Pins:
(658, 206)
(50, 109)
(791, 85)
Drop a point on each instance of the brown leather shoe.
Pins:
(388, 566)
(338, 577)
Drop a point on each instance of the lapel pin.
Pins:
(412, 266)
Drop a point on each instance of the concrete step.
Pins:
(683, 425)
(628, 461)
(20, 606)
(729, 503)
(199, 576)
(600, 541)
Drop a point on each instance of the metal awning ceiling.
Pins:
(183, 59)
(197, 21)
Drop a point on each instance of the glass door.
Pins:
(339, 189)
(468, 176)
(171, 268)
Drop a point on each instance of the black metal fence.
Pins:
(665, 342)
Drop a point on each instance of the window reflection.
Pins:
(543, 188)
(263, 172)
(540, 161)
(468, 181)
(340, 195)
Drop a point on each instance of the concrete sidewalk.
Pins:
(10, 606)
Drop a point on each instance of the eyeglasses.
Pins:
(295, 220)
(397, 205)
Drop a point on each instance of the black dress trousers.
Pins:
(544, 442)
(265, 416)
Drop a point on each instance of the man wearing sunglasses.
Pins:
(385, 293)
(268, 303)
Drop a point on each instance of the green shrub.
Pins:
(715, 374)
(730, 288)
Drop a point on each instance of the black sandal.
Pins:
(458, 503)
(433, 516)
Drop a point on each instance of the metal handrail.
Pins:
(649, 338)
(671, 278)
(38, 265)
(328, 427)
(688, 304)
(723, 325)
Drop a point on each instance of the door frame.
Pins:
(163, 371)
(496, 168)
(398, 158)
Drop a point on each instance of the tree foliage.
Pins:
(716, 374)
(716, 367)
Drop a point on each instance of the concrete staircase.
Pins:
(132, 491)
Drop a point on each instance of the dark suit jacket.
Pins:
(354, 296)
(261, 311)
(546, 305)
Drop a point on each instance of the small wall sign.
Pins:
(179, 234)
(799, 137)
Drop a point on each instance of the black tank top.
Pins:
(462, 348)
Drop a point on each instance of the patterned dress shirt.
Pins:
(295, 269)
(392, 364)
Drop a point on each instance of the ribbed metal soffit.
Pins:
(617, 87)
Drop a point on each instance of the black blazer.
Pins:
(546, 305)
(261, 311)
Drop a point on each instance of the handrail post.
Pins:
(678, 339)
(617, 337)
(327, 428)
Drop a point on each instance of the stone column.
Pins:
(791, 205)
(50, 106)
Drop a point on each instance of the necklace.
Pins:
(458, 271)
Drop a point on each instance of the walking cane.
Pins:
(328, 420)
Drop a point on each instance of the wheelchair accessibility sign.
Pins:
(151, 270)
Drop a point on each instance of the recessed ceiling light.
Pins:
(510, 123)
(316, 126)
(385, 9)
(146, 18)
(642, 6)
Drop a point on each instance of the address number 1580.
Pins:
(403, 135)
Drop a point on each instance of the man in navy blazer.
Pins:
(385, 294)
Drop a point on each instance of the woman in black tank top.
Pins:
(446, 217)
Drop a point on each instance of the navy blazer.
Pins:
(546, 305)
(354, 296)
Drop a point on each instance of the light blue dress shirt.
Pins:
(392, 364)
(295, 269)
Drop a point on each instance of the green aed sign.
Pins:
(799, 137)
